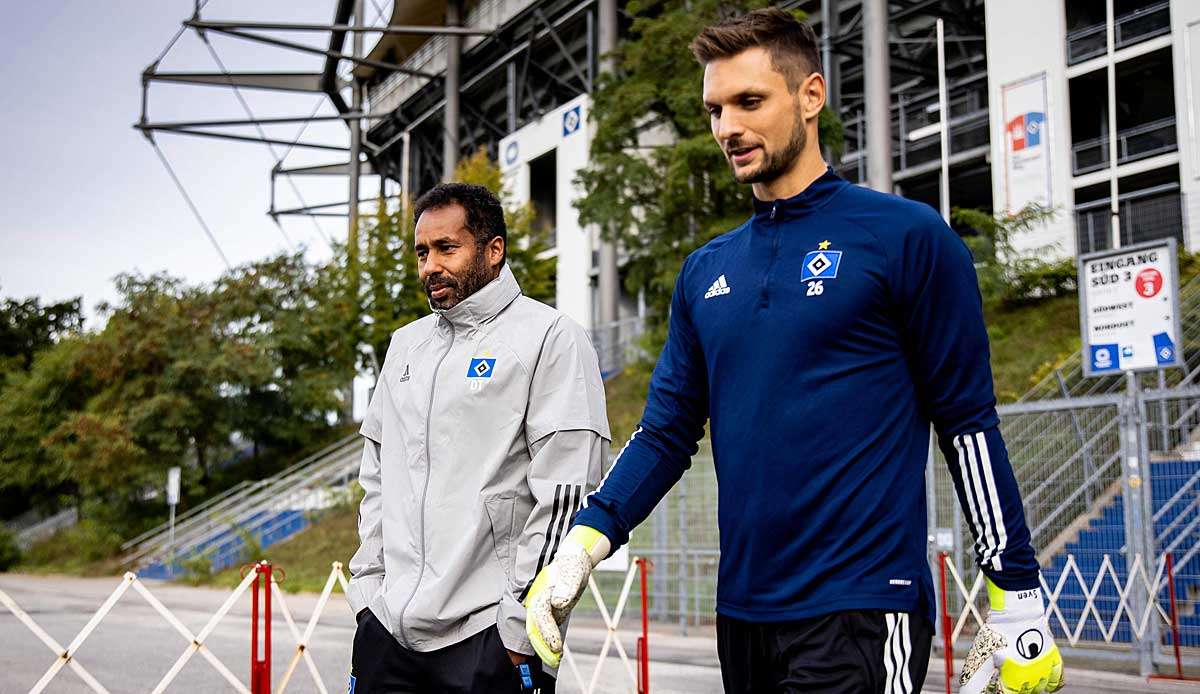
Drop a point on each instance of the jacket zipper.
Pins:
(425, 488)
(765, 299)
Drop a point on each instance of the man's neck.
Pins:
(808, 168)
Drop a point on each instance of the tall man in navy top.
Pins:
(820, 340)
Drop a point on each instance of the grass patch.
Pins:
(87, 549)
(1029, 340)
(625, 394)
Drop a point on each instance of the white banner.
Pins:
(1026, 143)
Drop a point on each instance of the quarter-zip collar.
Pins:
(485, 304)
(815, 196)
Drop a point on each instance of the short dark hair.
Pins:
(792, 44)
(485, 215)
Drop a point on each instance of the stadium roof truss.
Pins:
(326, 82)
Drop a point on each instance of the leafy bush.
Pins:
(197, 569)
(10, 554)
(1008, 274)
(73, 550)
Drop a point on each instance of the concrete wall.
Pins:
(1185, 32)
(566, 130)
(1026, 38)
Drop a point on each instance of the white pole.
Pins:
(944, 111)
(1113, 192)
(406, 195)
(171, 560)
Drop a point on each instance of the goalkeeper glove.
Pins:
(1015, 641)
(557, 588)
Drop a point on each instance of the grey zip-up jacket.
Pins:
(485, 432)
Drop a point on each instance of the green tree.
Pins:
(27, 327)
(1007, 272)
(656, 181)
(33, 404)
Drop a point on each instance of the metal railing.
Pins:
(333, 465)
(618, 343)
(1133, 27)
(46, 527)
(1139, 142)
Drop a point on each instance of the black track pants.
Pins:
(855, 652)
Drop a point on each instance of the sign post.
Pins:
(1129, 320)
(173, 475)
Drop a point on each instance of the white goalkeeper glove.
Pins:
(1016, 643)
(557, 588)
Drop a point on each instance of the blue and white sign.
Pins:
(1129, 308)
(571, 121)
(511, 150)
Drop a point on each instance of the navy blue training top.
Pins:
(820, 339)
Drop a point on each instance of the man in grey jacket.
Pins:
(485, 432)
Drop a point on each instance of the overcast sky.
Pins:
(84, 197)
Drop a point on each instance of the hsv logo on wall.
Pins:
(1026, 144)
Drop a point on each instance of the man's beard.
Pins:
(474, 278)
(775, 164)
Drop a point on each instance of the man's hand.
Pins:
(557, 588)
(1016, 642)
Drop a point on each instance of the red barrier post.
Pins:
(947, 643)
(260, 667)
(643, 643)
(1174, 614)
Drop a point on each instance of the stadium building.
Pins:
(1084, 106)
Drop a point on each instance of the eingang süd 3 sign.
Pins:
(1129, 308)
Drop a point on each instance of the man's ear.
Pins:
(495, 252)
(812, 95)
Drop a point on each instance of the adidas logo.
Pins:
(718, 288)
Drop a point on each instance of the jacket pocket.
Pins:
(501, 511)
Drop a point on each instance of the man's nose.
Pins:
(728, 128)
(431, 266)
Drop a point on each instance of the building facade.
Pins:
(1070, 104)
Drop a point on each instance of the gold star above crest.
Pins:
(823, 246)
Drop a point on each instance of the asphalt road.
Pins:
(134, 647)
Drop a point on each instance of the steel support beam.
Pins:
(321, 51)
(609, 279)
(177, 125)
(453, 84)
(337, 169)
(829, 29)
(877, 93)
(410, 29)
(275, 81)
(355, 163)
(238, 138)
(316, 210)
(562, 48)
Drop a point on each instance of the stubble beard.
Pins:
(475, 277)
(776, 163)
